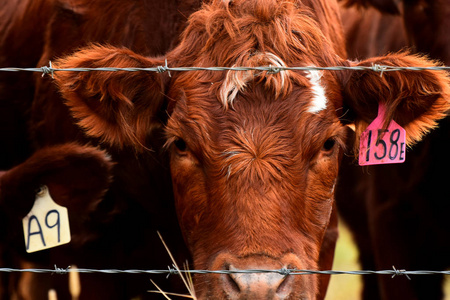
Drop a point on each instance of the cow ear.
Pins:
(119, 107)
(416, 100)
(77, 177)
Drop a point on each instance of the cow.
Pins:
(394, 211)
(254, 155)
(369, 32)
(33, 32)
(425, 22)
(138, 202)
(77, 178)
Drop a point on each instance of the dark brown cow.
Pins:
(397, 213)
(77, 178)
(254, 156)
(426, 23)
(370, 33)
(33, 32)
(32, 116)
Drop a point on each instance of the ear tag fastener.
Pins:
(380, 145)
(46, 225)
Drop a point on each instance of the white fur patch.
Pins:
(319, 100)
(236, 81)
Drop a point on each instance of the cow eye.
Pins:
(329, 145)
(180, 144)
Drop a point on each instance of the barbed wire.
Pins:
(173, 271)
(271, 69)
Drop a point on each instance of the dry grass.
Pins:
(185, 277)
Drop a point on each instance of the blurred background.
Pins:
(346, 259)
(348, 287)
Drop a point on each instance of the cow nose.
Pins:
(247, 279)
(256, 285)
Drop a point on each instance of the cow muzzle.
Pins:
(248, 279)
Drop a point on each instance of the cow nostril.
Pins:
(231, 284)
(285, 287)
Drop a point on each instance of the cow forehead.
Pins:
(278, 84)
(257, 117)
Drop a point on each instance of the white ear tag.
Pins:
(46, 225)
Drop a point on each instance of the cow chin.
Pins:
(244, 282)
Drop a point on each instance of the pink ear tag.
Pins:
(382, 146)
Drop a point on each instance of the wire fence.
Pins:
(271, 69)
(175, 271)
(50, 70)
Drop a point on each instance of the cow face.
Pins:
(254, 182)
(254, 155)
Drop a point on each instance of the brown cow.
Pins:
(397, 213)
(254, 156)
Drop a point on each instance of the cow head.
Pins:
(254, 155)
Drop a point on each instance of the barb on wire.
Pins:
(270, 69)
(379, 68)
(162, 69)
(400, 272)
(61, 270)
(273, 70)
(171, 271)
(48, 70)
